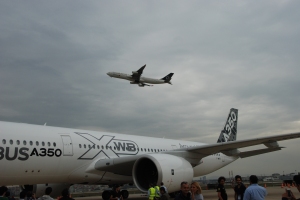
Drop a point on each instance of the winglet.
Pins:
(230, 129)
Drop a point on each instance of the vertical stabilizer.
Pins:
(230, 129)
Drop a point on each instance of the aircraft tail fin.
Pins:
(230, 128)
(168, 77)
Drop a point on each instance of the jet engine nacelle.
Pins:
(39, 189)
(157, 168)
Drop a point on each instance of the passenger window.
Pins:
(4, 141)
(49, 144)
(31, 143)
(84, 146)
(24, 142)
(43, 143)
(141, 149)
(98, 147)
(79, 145)
(37, 143)
(152, 150)
(89, 146)
(54, 144)
(11, 141)
(102, 146)
(18, 142)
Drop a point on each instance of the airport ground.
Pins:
(273, 194)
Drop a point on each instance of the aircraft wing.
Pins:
(137, 74)
(124, 165)
(231, 148)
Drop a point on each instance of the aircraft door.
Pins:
(68, 147)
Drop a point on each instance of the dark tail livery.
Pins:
(230, 129)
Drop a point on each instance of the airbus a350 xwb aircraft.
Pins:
(36, 156)
(136, 78)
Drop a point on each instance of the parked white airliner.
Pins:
(136, 78)
(39, 156)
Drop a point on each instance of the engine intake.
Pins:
(157, 168)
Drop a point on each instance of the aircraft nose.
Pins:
(108, 73)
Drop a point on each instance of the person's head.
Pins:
(23, 194)
(7, 194)
(48, 190)
(150, 185)
(3, 190)
(161, 183)
(29, 194)
(184, 186)
(117, 188)
(238, 179)
(65, 192)
(296, 178)
(195, 188)
(162, 190)
(253, 179)
(221, 180)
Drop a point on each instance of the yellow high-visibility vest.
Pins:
(152, 193)
(157, 191)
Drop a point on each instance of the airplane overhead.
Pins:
(36, 156)
(136, 78)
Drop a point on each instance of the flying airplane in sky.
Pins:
(37, 156)
(136, 78)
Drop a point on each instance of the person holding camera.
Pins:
(288, 195)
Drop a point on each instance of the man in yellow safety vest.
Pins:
(151, 192)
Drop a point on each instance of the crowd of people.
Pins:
(29, 195)
(188, 191)
(241, 192)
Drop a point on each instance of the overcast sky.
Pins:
(54, 56)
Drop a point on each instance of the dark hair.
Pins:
(48, 190)
(161, 183)
(238, 176)
(7, 194)
(65, 192)
(296, 178)
(221, 178)
(23, 194)
(253, 179)
(162, 189)
(2, 190)
(182, 183)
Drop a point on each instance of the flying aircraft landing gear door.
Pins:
(68, 147)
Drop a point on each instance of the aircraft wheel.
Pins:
(124, 194)
(106, 195)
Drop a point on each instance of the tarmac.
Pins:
(274, 193)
